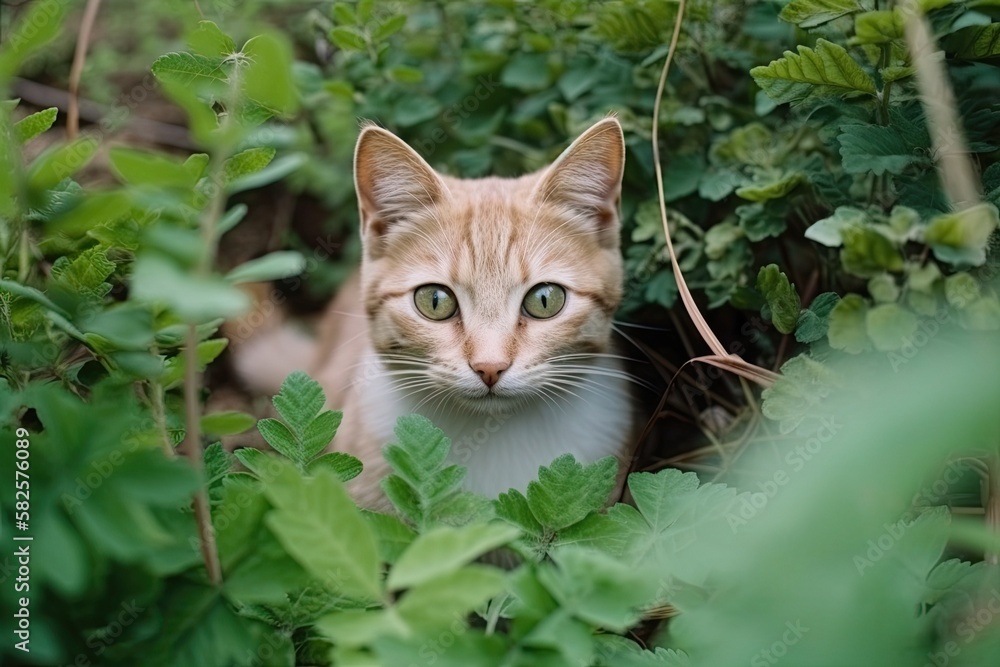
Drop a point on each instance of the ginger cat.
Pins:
(486, 305)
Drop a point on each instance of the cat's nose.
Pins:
(489, 371)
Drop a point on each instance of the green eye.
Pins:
(435, 302)
(544, 300)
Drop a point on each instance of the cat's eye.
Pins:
(544, 300)
(435, 302)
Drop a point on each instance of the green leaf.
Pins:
(437, 603)
(361, 627)
(526, 72)
(616, 651)
(229, 422)
(770, 186)
(320, 527)
(31, 126)
(389, 27)
(209, 41)
(39, 24)
(828, 70)
(890, 326)
(258, 462)
(232, 218)
(246, 162)
(960, 237)
(567, 491)
(280, 438)
(811, 13)
(275, 171)
(319, 433)
(406, 74)
(875, 148)
(867, 253)
(512, 507)
(195, 299)
(597, 588)
(32, 294)
(977, 42)
(393, 535)
(138, 167)
(299, 400)
(829, 231)
(781, 297)
(445, 549)
(814, 322)
(274, 266)
(59, 162)
(205, 353)
(878, 27)
(883, 288)
(848, 329)
(269, 81)
(348, 38)
(189, 70)
(345, 466)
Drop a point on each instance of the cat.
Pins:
(485, 305)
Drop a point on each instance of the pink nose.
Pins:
(489, 371)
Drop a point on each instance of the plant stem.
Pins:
(992, 504)
(76, 71)
(191, 448)
(160, 417)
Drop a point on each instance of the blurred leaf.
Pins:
(209, 41)
(31, 126)
(268, 81)
(876, 149)
(960, 237)
(867, 252)
(848, 329)
(445, 549)
(889, 326)
(158, 280)
(229, 422)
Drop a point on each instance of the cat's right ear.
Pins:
(392, 182)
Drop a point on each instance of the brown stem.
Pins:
(992, 504)
(76, 71)
(191, 448)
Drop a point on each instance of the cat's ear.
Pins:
(587, 178)
(392, 182)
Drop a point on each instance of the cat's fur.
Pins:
(561, 389)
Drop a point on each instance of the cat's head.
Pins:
(489, 291)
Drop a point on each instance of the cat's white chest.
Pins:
(504, 451)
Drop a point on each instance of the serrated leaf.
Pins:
(319, 433)
(273, 266)
(320, 527)
(878, 27)
(345, 466)
(299, 400)
(258, 462)
(512, 507)
(229, 422)
(889, 326)
(771, 186)
(246, 162)
(31, 126)
(567, 491)
(814, 322)
(781, 297)
(445, 549)
(393, 535)
(189, 70)
(281, 439)
(960, 237)
(811, 13)
(978, 42)
(827, 70)
(875, 148)
(848, 331)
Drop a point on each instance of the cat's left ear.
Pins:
(587, 178)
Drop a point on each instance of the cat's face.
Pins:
(490, 292)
